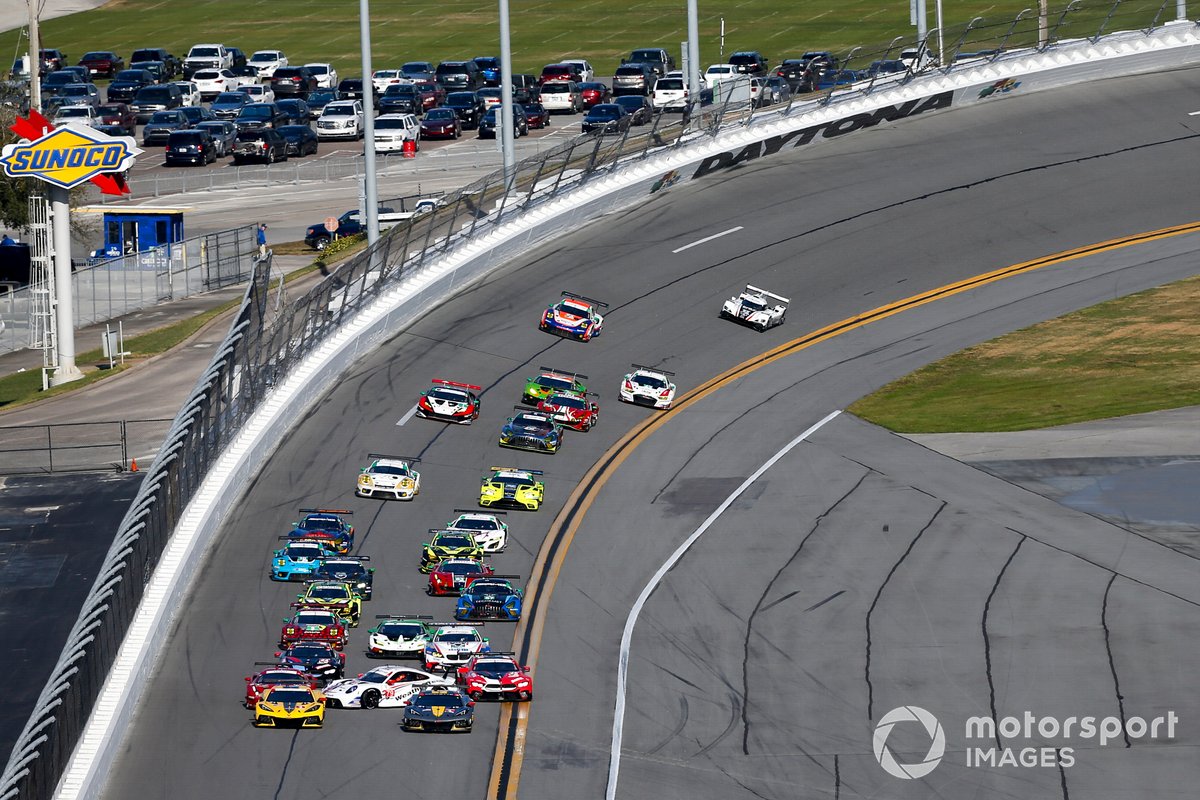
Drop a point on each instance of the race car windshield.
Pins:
(329, 593)
(489, 588)
(461, 568)
(555, 383)
(429, 701)
(494, 669)
(290, 696)
(381, 470)
(338, 569)
(456, 638)
(395, 630)
(651, 381)
(539, 424)
(283, 679)
(375, 676)
(568, 401)
(321, 524)
(454, 541)
(320, 618)
(515, 483)
(447, 395)
(303, 551)
(476, 524)
(753, 305)
(308, 652)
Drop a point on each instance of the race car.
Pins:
(452, 645)
(574, 316)
(273, 675)
(490, 532)
(451, 575)
(531, 430)
(316, 659)
(489, 597)
(399, 636)
(574, 411)
(390, 477)
(753, 307)
(439, 709)
(495, 675)
(448, 544)
(310, 624)
(290, 706)
(299, 559)
(450, 401)
(336, 596)
(512, 488)
(326, 525)
(648, 386)
(382, 687)
(349, 569)
(550, 382)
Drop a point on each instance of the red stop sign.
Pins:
(331, 224)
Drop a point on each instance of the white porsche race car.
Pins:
(388, 686)
(453, 645)
(753, 307)
(490, 532)
(390, 477)
(648, 386)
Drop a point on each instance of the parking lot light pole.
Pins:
(693, 76)
(370, 188)
(35, 57)
(507, 112)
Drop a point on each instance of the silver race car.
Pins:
(757, 308)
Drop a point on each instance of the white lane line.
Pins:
(707, 239)
(1194, 113)
(614, 757)
(407, 416)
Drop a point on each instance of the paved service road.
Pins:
(749, 675)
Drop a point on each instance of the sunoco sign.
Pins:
(69, 156)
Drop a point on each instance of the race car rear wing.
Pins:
(335, 559)
(403, 616)
(516, 469)
(563, 372)
(591, 300)
(294, 540)
(326, 510)
(652, 369)
(443, 382)
(410, 459)
(765, 293)
(477, 511)
(457, 623)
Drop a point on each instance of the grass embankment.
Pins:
(1126, 356)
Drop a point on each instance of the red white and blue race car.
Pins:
(575, 316)
(450, 401)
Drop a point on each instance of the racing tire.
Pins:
(321, 244)
(260, 721)
(476, 696)
(370, 699)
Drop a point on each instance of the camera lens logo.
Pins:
(887, 759)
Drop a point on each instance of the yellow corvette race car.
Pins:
(512, 488)
(290, 706)
(336, 596)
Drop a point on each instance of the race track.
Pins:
(751, 672)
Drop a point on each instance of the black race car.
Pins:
(349, 570)
(439, 709)
(314, 658)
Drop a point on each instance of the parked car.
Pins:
(238, 59)
(173, 64)
(190, 92)
(126, 83)
(206, 56)
(349, 224)
(55, 82)
(559, 72)
(159, 126)
(660, 61)
(716, 73)
(393, 130)
(401, 98)
(258, 115)
(536, 115)
(341, 120)
(150, 99)
(102, 63)
(259, 93)
(489, 69)
(489, 96)
(606, 118)
(260, 144)
(247, 74)
(833, 78)
(778, 90)
(190, 146)
(226, 105)
(381, 79)
(637, 106)
(214, 82)
(582, 68)
(749, 62)
(491, 122)
(633, 79)
(197, 114)
(325, 75)
(293, 82)
(77, 115)
(468, 108)
(223, 133)
(295, 111)
(524, 87)
(441, 123)
(112, 130)
(593, 93)
(52, 59)
(891, 66)
(351, 88)
(267, 61)
(670, 93)
(118, 114)
(457, 76)
(561, 96)
(431, 94)
(156, 68)
(319, 99)
(796, 72)
(301, 139)
(75, 94)
(419, 70)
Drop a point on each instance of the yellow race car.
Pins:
(336, 596)
(448, 544)
(512, 488)
(290, 707)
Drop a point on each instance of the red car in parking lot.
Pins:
(594, 93)
(536, 115)
(431, 94)
(102, 63)
(559, 72)
(440, 123)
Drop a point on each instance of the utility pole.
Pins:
(370, 188)
(35, 58)
(507, 112)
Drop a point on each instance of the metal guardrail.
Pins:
(74, 446)
(266, 341)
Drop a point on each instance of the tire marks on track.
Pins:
(987, 642)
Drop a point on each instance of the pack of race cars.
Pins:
(455, 664)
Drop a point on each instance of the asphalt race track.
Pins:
(860, 573)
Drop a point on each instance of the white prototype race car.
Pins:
(648, 386)
(388, 686)
(399, 636)
(453, 645)
(389, 477)
(757, 308)
(490, 532)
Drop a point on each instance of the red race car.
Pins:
(274, 675)
(452, 574)
(572, 410)
(450, 401)
(311, 624)
(495, 675)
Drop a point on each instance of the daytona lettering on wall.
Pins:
(827, 130)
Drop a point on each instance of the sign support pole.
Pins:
(60, 220)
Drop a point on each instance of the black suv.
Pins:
(749, 62)
(260, 144)
(155, 98)
(158, 54)
(293, 82)
(659, 60)
(191, 146)
(258, 115)
(401, 98)
(467, 106)
(126, 84)
(491, 121)
(459, 76)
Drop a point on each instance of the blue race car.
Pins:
(325, 524)
(490, 597)
(300, 559)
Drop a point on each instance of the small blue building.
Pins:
(136, 230)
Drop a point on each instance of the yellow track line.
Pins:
(514, 717)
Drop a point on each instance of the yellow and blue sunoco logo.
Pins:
(69, 156)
